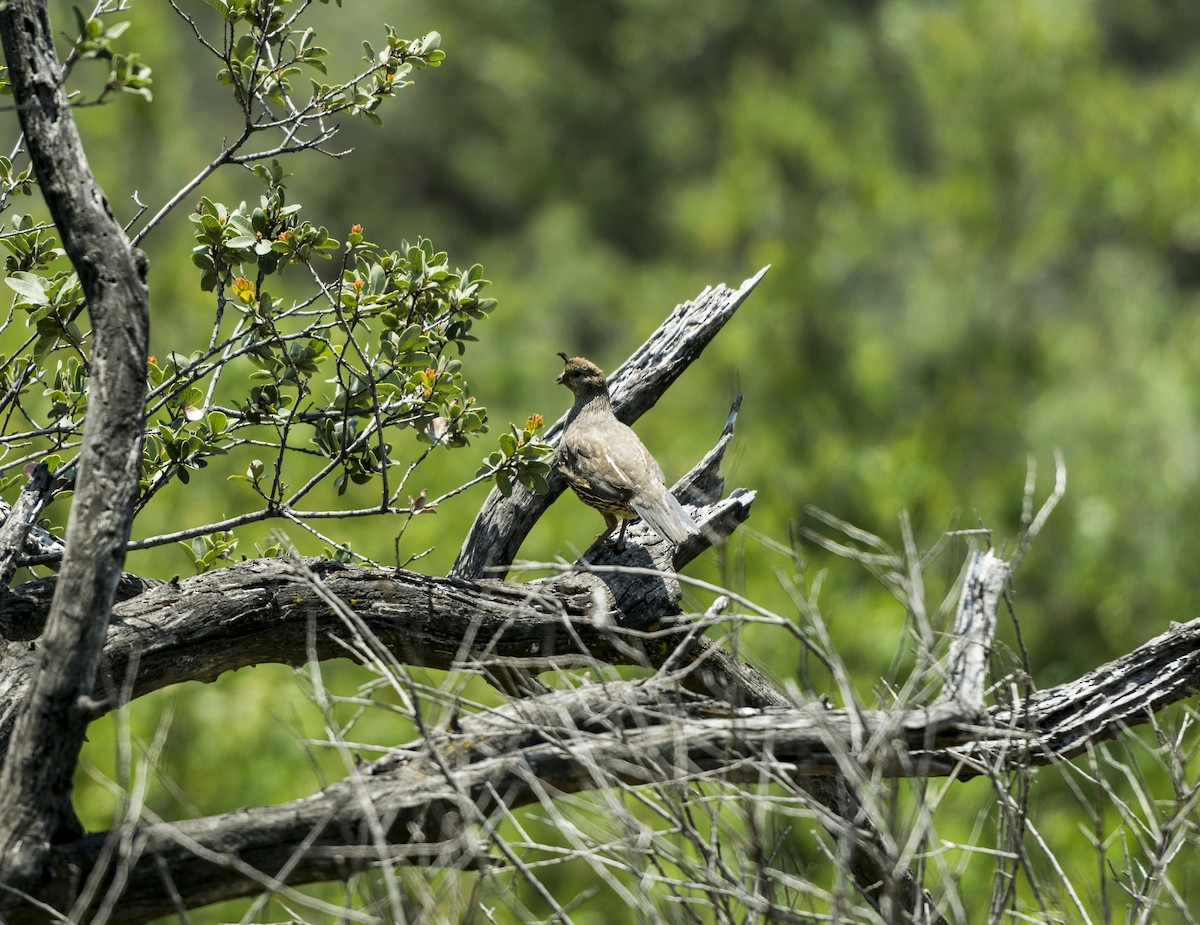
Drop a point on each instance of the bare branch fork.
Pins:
(601, 735)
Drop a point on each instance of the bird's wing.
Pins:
(587, 463)
(624, 451)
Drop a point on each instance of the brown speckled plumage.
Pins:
(607, 465)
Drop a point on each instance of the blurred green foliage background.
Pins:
(983, 222)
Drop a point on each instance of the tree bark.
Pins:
(35, 785)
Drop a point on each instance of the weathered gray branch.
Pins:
(20, 519)
(261, 611)
(630, 733)
(36, 780)
(985, 581)
(1100, 705)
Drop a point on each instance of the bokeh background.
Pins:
(983, 225)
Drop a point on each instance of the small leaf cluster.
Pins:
(292, 365)
(51, 303)
(129, 75)
(183, 436)
(263, 15)
(342, 555)
(264, 50)
(44, 382)
(209, 551)
(416, 308)
(268, 236)
(386, 335)
(421, 301)
(253, 476)
(29, 243)
(253, 73)
(95, 41)
(67, 393)
(522, 455)
(359, 459)
(388, 72)
(266, 403)
(14, 182)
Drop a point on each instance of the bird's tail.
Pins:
(666, 516)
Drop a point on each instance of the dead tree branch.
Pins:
(21, 518)
(601, 735)
(974, 629)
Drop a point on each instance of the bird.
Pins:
(606, 464)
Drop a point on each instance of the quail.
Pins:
(607, 465)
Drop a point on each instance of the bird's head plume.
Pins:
(583, 377)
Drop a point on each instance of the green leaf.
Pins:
(30, 287)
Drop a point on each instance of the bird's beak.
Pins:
(559, 379)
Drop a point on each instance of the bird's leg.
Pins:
(620, 544)
(610, 524)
